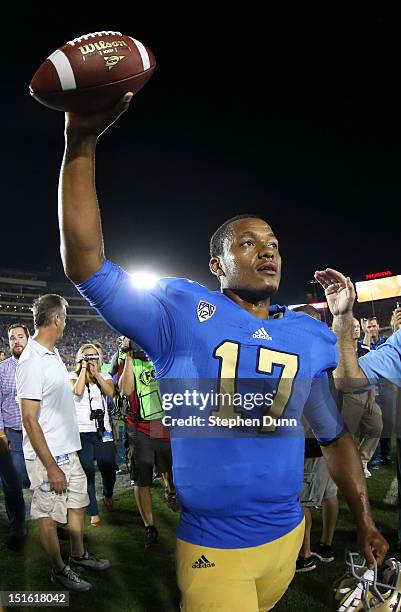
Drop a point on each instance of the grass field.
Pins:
(144, 580)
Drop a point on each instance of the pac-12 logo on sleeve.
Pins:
(205, 311)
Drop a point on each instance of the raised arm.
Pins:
(81, 239)
(340, 295)
(78, 384)
(126, 384)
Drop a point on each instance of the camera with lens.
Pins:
(125, 349)
(88, 358)
(98, 417)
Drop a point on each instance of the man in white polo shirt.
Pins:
(51, 442)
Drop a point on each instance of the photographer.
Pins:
(148, 439)
(91, 388)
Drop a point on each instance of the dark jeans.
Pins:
(94, 449)
(14, 476)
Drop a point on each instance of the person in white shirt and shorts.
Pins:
(51, 442)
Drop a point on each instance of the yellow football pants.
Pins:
(238, 579)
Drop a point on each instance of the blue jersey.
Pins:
(375, 345)
(385, 362)
(238, 485)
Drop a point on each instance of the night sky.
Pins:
(295, 118)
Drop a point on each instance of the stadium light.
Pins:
(317, 305)
(143, 280)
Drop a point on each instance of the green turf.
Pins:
(144, 580)
(140, 580)
(312, 591)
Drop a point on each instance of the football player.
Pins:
(241, 524)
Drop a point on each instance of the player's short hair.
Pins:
(22, 326)
(309, 310)
(45, 307)
(222, 233)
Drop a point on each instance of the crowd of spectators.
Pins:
(76, 334)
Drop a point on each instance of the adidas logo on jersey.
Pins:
(262, 334)
(202, 562)
(205, 311)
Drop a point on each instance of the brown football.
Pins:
(92, 72)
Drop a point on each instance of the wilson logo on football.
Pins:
(205, 311)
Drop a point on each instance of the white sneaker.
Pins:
(68, 578)
(366, 472)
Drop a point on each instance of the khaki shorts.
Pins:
(50, 504)
(318, 484)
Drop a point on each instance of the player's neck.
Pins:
(45, 338)
(257, 308)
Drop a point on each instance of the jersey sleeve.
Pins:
(28, 379)
(324, 354)
(321, 410)
(322, 413)
(320, 344)
(384, 362)
(141, 315)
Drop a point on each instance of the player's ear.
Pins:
(215, 267)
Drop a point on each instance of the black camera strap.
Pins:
(87, 385)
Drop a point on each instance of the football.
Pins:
(90, 73)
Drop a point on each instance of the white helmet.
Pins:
(363, 589)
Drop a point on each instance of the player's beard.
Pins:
(16, 353)
(249, 285)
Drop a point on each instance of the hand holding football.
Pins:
(90, 73)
